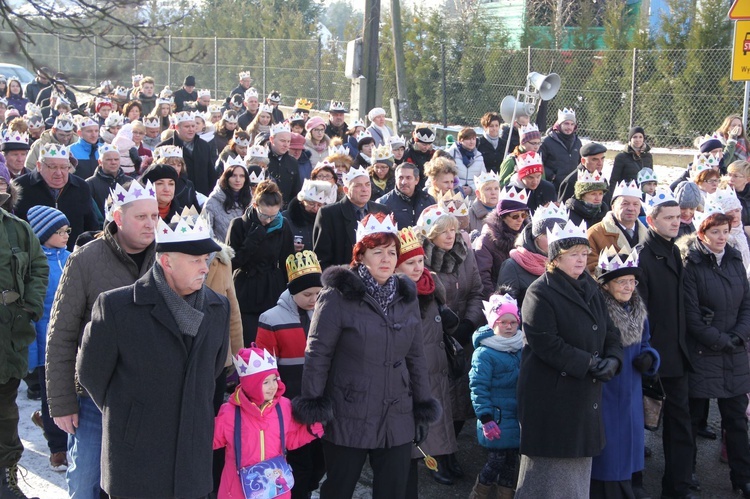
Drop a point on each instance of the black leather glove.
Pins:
(605, 369)
(592, 363)
(420, 433)
(464, 331)
(448, 319)
(643, 362)
(257, 232)
(133, 153)
(734, 343)
(707, 315)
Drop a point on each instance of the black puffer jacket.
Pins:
(300, 221)
(559, 159)
(717, 302)
(100, 184)
(284, 170)
(628, 164)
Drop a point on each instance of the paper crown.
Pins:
(183, 117)
(255, 364)
(104, 101)
(204, 92)
(526, 129)
(257, 151)
(265, 108)
(371, 225)
(358, 122)
(164, 100)
(274, 96)
(625, 188)
(59, 99)
(338, 150)
(64, 123)
(428, 136)
(484, 177)
(250, 93)
(497, 306)
(454, 203)
(381, 153)
(303, 104)
(106, 148)
(661, 196)
(183, 231)
(337, 106)
(297, 117)
(569, 231)
(50, 150)
(428, 218)
(164, 152)
(114, 119)
(151, 122)
(709, 208)
(565, 114)
(165, 92)
(354, 173)
(244, 74)
(241, 141)
(528, 160)
(510, 193)
(120, 92)
(584, 176)
(551, 211)
(396, 141)
(34, 120)
(229, 117)
(409, 240)
(231, 162)
(136, 79)
(646, 175)
(32, 108)
(3, 100)
(364, 134)
(280, 128)
(610, 259)
(105, 83)
(302, 263)
(710, 137)
(84, 121)
(257, 179)
(703, 162)
(318, 191)
(15, 138)
(213, 109)
(135, 192)
(726, 198)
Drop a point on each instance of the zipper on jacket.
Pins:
(262, 446)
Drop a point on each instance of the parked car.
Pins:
(23, 74)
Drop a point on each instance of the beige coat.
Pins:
(219, 279)
(607, 233)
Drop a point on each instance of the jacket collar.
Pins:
(109, 238)
(350, 285)
(559, 284)
(610, 227)
(106, 176)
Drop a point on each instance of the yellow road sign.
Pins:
(741, 51)
(740, 10)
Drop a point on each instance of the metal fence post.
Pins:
(59, 61)
(216, 68)
(632, 87)
(320, 62)
(135, 54)
(264, 67)
(443, 85)
(169, 60)
(96, 64)
(528, 59)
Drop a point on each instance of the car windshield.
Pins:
(19, 72)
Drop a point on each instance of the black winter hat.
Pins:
(593, 148)
(189, 81)
(634, 130)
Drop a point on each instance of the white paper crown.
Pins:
(34, 120)
(565, 114)
(233, 161)
(354, 173)
(183, 231)
(3, 100)
(454, 203)
(726, 198)
(204, 92)
(396, 141)
(151, 122)
(280, 128)
(610, 259)
(15, 138)
(337, 106)
(381, 153)
(371, 225)
(338, 150)
(510, 193)
(32, 108)
(428, 218)
(256, 363)
(229, 117)
(61, 99)
(135, 192)
(50, 150)
(188, 213)
(528, 159)
(297, 117)
(625, 188)
(105, 148)
(265, 108)
(584, 176)
(661, 196)
(274, 96)
(257, 151)
(114, 119)
(183, 117)
(257, 179)
(569, 231)
(251, 92)
(213, 109)
(97, 101)
(707, 137)
(164, 100)
(165, 92)
(244, 74)
(646, 175)
(84, 121)
(358, 122)
(551, 211)
(484, 177)
(427, 137)
(120, 92)
(363, 135)
(64, 123)
(136, 79)
(242, 142)
(318, 191)
(709, 208)
(531, 127)
(164, 152)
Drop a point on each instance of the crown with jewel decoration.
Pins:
(484, 177)
(64, 123)
(409, 240)
(396, 141)
(280, 128)
(661, 196)
(338, 150)
(358, 122)
(189, 213)
(625, 188)
(50, 150)
(709, 208)
(569, 231)
(231, 162)
(510, 193)
(371, 225)
(354, 173)
(566, 114)
(229, 117)
(151, 122)
(584, 176)
(265, 108)
(241, 141)
(454, 203)
(114, 119)
(164, 152)
(106, 148)
(84, 121)
(550, 211)
(34, 120)
(317, 191)
(136, 79)
(526, 129)
(380, 154)
(726, 198)
(610, 259)
(257, 151)
(134, 192)
(244, 74)
(337, 106)
(702, 162)
(204, 92)
(646, 175)
(529, 160)
(303, 104)
(250, 93)
(428, 219)
(183, 117)
(257, 179)
(297, 117)
(15, 138)
(709, 137)
(164, 100)
(302, 263)
(427, 137)
(364, 134)
(255, 364)
(32, 108)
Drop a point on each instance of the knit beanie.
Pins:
(159, 171)
(542, 226)
(710, 145)
(634, 130)
(506, 206)
(556, 247)
(688, 195)
(189, 81)
(582, 188)
(45, 221)
(260, 365)
(4, 173)
(529, 133)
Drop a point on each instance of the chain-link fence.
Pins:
(675, 95)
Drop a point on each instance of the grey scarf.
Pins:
(186, 311)
(384, 294)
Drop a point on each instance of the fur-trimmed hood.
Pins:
(499, 232)
(689, 250)
(226, 253)
(346, 281)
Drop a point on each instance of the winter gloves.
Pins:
(420, 433)
(643, 362)
(733, 343)
(603, 369)
(491, 430)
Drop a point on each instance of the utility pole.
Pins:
(370, 52)
(398, 53)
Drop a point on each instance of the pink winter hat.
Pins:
(253, 366)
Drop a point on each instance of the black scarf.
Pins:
(384, 294)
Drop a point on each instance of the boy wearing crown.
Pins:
(156, 437)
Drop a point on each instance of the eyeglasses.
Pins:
(263, 216)
(508, 323)
(64, 232)
(534, 143)
(324, 177)
(319, 130)
(625, 282)
(713, 181)
(56, 168)
(515, 216)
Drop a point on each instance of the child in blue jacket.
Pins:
(493, 377)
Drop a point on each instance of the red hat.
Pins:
(298, 141)
(253, 366)
(528, 164)
(409, 247)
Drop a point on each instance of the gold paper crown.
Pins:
(302, 263)
(303, 104)
(409, 240)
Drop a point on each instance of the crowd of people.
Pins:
(219, 299)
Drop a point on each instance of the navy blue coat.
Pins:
(406, 210)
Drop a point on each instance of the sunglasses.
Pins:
(519, 215)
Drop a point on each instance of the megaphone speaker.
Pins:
(509, 103)
(546, 85)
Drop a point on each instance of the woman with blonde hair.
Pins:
(441, 175)
(732, 130)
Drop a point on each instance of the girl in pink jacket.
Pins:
(257, 396)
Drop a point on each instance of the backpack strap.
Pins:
(237, 437)
(281, 429)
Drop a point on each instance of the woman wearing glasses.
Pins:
(498, 236)
(261, 240)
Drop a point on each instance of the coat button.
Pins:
(594, 327)
(438, 318)
(596, 406)
(397, 326)
(442, 344)
(563, 373)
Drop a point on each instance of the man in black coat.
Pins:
(419, 151)
(59, 85)
(244, 83)
(661, 287)
(157, 438)
(195, 151)
(186, 94)
(406, 201)
(560, 148)
(337, 126)
(41, 81)
(53, 185)
(592, 159)
(335, 229)
(282, 167)
(252, 104)
(106, 176)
